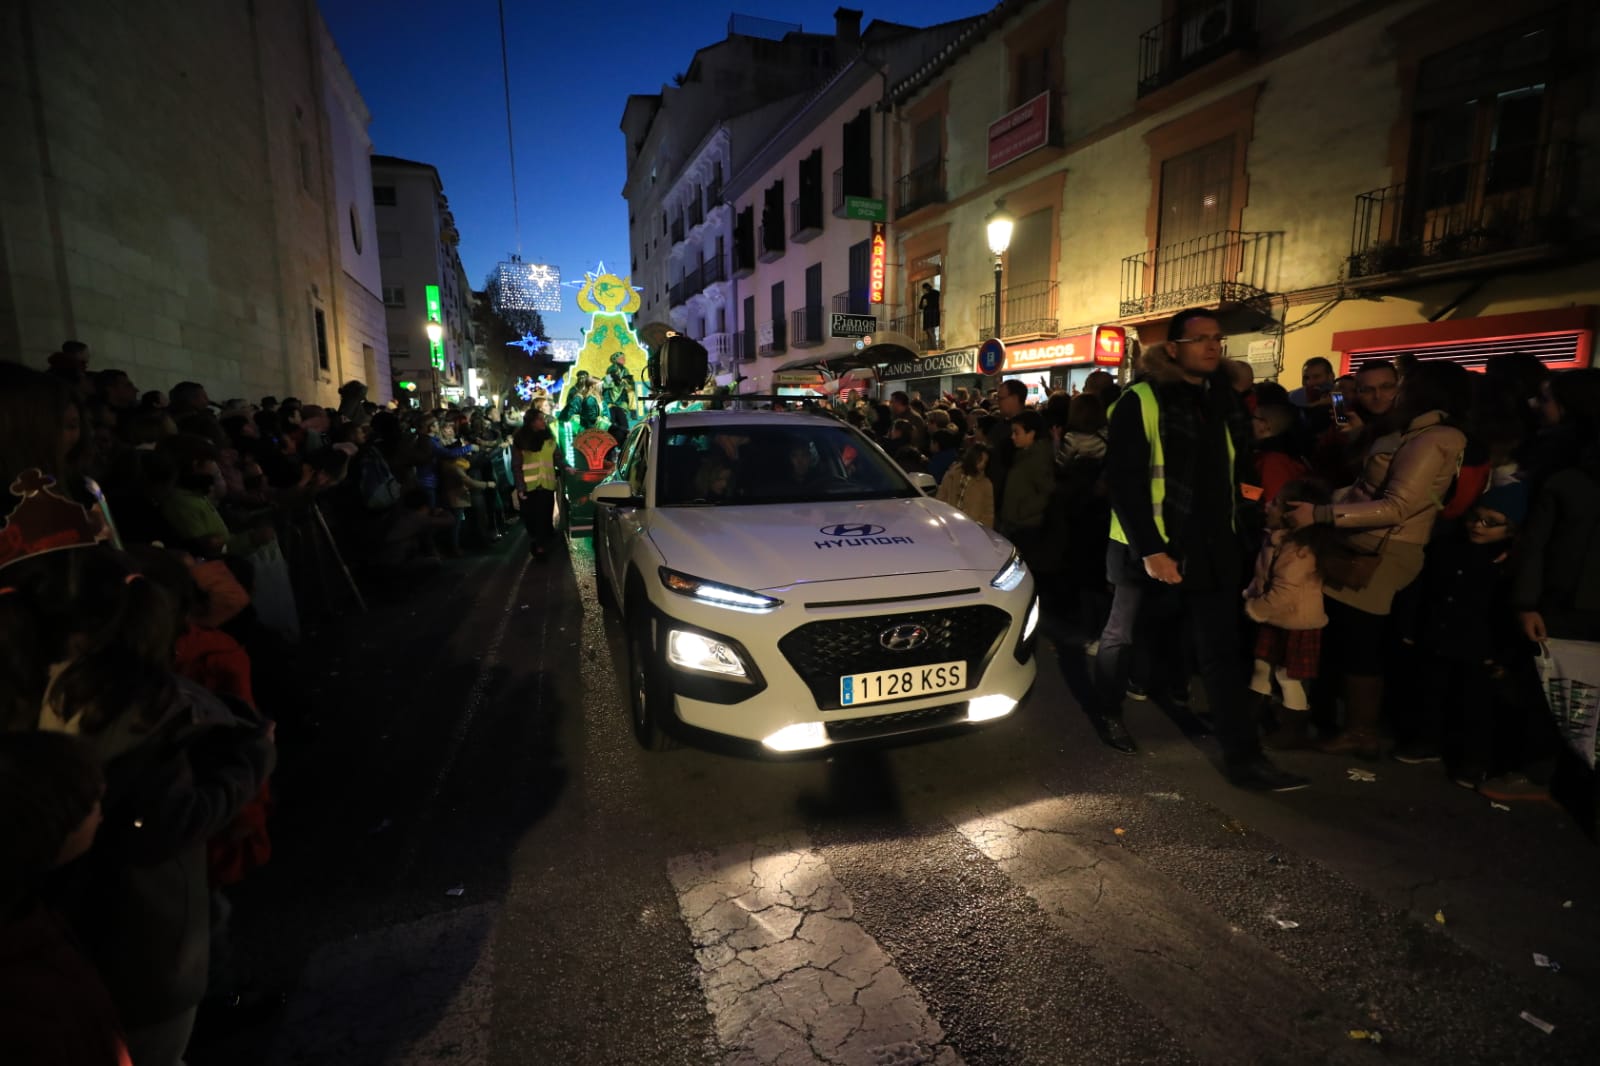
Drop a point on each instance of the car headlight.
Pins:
(716, 594)
(1033, 620)
(1010, 575)
(708, 655)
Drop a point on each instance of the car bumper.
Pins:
(781, 711)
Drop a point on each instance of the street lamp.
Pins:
(999, 226)
(435, 332)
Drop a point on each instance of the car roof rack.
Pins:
(806, 404)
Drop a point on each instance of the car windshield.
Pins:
(785, 462)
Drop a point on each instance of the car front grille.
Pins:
(824, 651)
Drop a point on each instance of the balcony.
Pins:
(805, 220)
(677, 230)
(853, 303)
(1200, 34)
(920, 187)
(1226, 267)
(805, 327)
(777, 332)
(1026, 310)
(744, 255)
(678, 294)
(1511, 207)
(713, 271)
(721, 348)
(770, 244)
(744, 345)
(697, 213)
(713, 195)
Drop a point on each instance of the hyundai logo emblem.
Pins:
(903, 637)
(851, 531)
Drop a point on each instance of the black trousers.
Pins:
(538, 517)
(1154, 619)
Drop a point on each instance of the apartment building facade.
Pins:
(810, 227)
(671, 148)
(423, 282)
(1347, 179)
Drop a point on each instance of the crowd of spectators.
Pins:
(160, 552)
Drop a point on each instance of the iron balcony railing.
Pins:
(920, 187)
(910, 323)
(744, 345)
(805, 327)
(713, 271)
(1202, 32)
(780, 338)
(1229, 266)
(805, 218)
(1516, 199)
(853, 303)
(1025, 310)
(678, 294)
(770, 244)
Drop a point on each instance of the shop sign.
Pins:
(842, 325)
(865, 208)
(960, 361)
(1062, 351)
(1014, 135)
(880, 260)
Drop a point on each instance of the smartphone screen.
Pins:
(1339, 415)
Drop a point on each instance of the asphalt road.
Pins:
(475, 864)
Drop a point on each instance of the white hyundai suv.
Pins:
(783, 582)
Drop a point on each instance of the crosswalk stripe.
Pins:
(788, 974)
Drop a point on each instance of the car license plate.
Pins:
(880, 685)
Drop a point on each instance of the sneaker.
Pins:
(1137, 693)
(1260, 775)
(1416, 753)
(1508, 788)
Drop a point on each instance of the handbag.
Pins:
(1346, 565)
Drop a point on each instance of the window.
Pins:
(383, 196)
(395, 296)
(856, 174)
(1030, 74)
(1196, 193)
(388, 244)
(1028, 258)
(322, 339)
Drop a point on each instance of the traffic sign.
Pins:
(841, 325)
(991, 356)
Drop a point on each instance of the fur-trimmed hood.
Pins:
(1159, 368)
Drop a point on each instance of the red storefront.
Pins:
(1063, 362)
(1561, 337)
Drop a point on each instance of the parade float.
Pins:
(601, 395)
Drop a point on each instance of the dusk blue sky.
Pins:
(430, 74)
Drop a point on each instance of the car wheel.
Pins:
(648, 695)
(602, 587)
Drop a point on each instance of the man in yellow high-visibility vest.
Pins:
(1173, 555)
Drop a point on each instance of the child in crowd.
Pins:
(1285, 598)
(967, 486)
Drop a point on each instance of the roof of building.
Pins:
(982, 26)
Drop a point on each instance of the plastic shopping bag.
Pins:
(273, 595)
(1569, 673)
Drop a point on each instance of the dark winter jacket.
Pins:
(1028, 487)
(1555, 568)
(141, 900)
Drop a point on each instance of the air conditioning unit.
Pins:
(1206, 27)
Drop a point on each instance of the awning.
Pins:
(887, 347)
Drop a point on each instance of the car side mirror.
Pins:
(619, 493)
(926, 482)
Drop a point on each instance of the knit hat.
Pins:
(1510, 499)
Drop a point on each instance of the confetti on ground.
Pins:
(459, 890)
(1361, 775)
(1545, 962)
(1438, 916)
(1566, 906)
(1538, 1023)
(1285, 923)
(1499, 806)
(1120, 832)
(1367, 1034)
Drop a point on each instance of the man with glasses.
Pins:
(1173, 556)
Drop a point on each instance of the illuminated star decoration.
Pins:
(529, 344)
(525, 389)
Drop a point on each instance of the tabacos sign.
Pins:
(1101, 347)
(879, 262)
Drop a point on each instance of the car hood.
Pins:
(775, 546)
